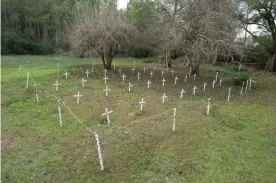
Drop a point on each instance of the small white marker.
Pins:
(174, 115)
(163, 98)
(175, 79)
(195, 76)
(105, 78)
(120, 71)
(36, 93)
(216, 76)
(78, 97)
(19, 68)
(82, 82)
(59, 113)
(190, 72)
(194, 90)
(208, 107)
(250, 82)
(106, 91)
(214, 83)
(172, 71)
(124, 76)
(129, 86)
(148, 84)
(163, 81)
(27, 81)
(56, 84)
(107, 115)
(99, 151)
(66, 74)
(220, 81)
(145, 69)
(246, 86)
(114, 65)
(181, 93)
(151, 73)
(242, 87)
(186, 78)
(204, 86)
(162, 73)
(138, 75)
(87, 73)
(228, 99)
(141, 104)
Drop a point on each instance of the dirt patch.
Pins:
(9, 142)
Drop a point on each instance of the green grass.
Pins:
(235, 143)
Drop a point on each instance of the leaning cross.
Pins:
(56, 84)
(148, 83)
(163, 98)
(82, 82)
(87, 73)
(175, 79)
(141, 103)
(78, 97)
(214, 83)
(220, 81)
(107, 115)
(66, 74)
(105, 78)
(194, 90)
(106, 91)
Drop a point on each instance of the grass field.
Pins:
(235, 143)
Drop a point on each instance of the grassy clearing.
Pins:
(235, 143)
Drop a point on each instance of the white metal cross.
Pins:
(107, 115)
(129, 86)
(195, 76)
(87, 73)
(56, 84)
(172, 71)
(181, 93)
(163, 98)
(208, 106)
(106, 91)
(133, 69)
(120, 70)
(194, 90)
(105, 78)
(162, 73)
(124, 76)
(83, 81)
(163, 81)
(78, 97)
(138, 75)
(186, 78)
(105, 72)
(148, 83)
(204, 86)
(145, 69)
(151, 73)
(66, 74)
(175, 79)
(141, 104)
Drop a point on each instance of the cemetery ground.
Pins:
(234, 143)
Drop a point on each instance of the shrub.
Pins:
(242, 77)
(140, 51)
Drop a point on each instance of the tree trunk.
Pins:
(271, 63)
(107, 61)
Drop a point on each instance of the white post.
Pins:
(250, 82)
(204, 86)
(242, 87)
(129, 86)
(194, 90)
(186, 78)
(105, 71)
(36, 93)
(172, 71)
(162, 73)
(120, 70)
(19, 68)
(195, 76)
(163, 98)
(148, 84)
(99, 151)
(190, 72)
(208, 106)
(124, 76)
(181, 93)
(59, 113)
(141, 104)
(229, 92)
(214, 83)
(27, 82)
(114, 65)
(216, 76)
(220, 81)
(163, 80)
(151, 73)
(87, 73)
(174, 115)
(107, 115)
(175, 79)
(246, 86)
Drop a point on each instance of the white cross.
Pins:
(105, 72)
(214, 83)
(141, 103)
(181, 93)
(18, 71)
(106, 91)
(120, 70)
(145, 69)
(124, 76)
(204, 86)
(105, 78)
(163, 80)
(27, 81)
(56, 84)
(87, 73)
(59, 113)
(220, 81)
(216, 76)
(83, 81)
(78, 97)
(246, 85)
(250, 82)
(195, 76)
(208, 106)
(175, 79)
(66, 74)
(129, 86)
(186, 78)
(151, 73)
(107, 115)
(228, 99)
(194, 90)
(242, 87)
(138, 75)
(114, 65)
(162, 73)
(172, 71)
(148, 83)
(133, 69)
(163, 98)
(190, 72)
